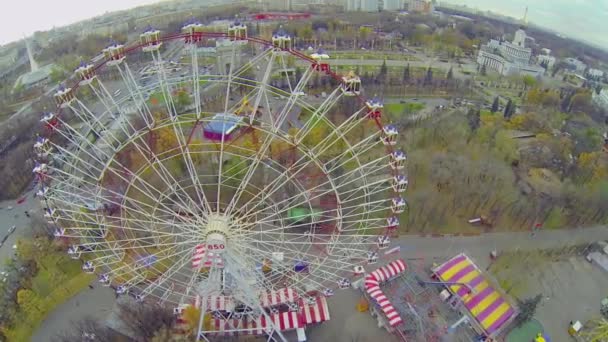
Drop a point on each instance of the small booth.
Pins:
(150, 40)
(222, 125)
(193, 32)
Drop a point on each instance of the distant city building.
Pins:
(601, 99)
(362, 5)
(393, 5)
(575, 64)
(420, 6)
(595, 73)
(509, 58)
(547, 60)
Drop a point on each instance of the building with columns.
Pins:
(393, 5)
(509, 58)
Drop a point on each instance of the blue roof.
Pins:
(223, 123)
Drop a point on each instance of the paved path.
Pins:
(445, 246)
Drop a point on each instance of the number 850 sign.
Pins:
(216, 246)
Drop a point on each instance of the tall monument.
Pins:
(30, 55)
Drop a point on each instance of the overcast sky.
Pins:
(582, 19)
(24, 17)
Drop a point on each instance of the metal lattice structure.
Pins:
(236, 183)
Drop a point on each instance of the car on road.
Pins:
(12, 229)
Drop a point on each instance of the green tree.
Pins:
(495, 105)
(183, 99)
(450, 74)
(527, 309)
(57, 75)
(529, 81)
(428, 78)
(474, 118)
(509, 109)
(382, 75)
(406, 74)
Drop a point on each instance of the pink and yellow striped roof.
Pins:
(484, 303)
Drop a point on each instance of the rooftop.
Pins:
(35, 76)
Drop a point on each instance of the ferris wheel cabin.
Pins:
(150, 40)
(374, 107)
(383, 241)
(193, 32)
(114, 54)
(398, 160)
(64, 97)
(389, 135)
(86, 73)
(351, 84)
(398, 205)
(400, 183)
(237, 32)
(281, 41)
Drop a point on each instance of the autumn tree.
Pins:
(144, 320)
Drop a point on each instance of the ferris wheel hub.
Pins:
(216, 231)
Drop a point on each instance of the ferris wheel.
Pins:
(259, 182)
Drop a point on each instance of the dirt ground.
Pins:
(571, 287)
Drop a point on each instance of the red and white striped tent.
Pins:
(256, 326)
(316, 312)
(372, 287)
(280, 296)
(208, 259)
(216, 303)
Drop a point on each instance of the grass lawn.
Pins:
(401, 108)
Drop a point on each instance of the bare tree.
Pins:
(145, 320)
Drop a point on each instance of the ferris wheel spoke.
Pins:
(76, 190)
(281, 117)
(166, 276)
(182, 141)
(319, 190)
(299, 166)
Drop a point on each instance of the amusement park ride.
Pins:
(198, 218)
